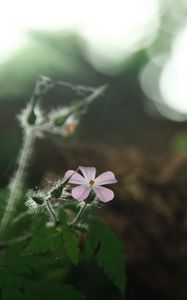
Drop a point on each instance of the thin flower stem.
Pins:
(51, 212)
(79, 215)
(97, 92)
(77, 88)
(17, 182)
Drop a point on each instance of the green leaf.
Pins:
(29, 296)
(70, 244)
(34, 277)
(47, 239)
(11, 293)
(53, 239)
(179, 142)
(11, 280)
(109, 252)
(63, 217)
(70, 293)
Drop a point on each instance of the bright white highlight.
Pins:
(173, 80)
(118, 28)
(111, 29)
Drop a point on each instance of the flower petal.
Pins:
(74, 177)
(105, 178)
(104, 194)
(88, 172)
(80, 192)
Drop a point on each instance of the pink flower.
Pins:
(88, 182)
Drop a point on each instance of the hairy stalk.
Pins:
(77, 88)
(51, 212)
(79, 215)
(17, 182)
(43, 84)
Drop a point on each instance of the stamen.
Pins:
(70, 128)
(91, 182)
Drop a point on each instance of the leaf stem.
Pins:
(14, 241)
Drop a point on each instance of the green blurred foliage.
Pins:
(52, 54)
(179, 142)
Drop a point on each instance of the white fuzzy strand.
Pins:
(17, 181)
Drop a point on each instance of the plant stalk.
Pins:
(17, 181)
(79, 215)
(51, 212)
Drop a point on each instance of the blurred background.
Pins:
(138, 129)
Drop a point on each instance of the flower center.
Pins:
(91, 182)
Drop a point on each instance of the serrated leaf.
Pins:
(110, 252)
(33, 278)
(92, 242)
(46, 240)
(42, 238)
(70, 244)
